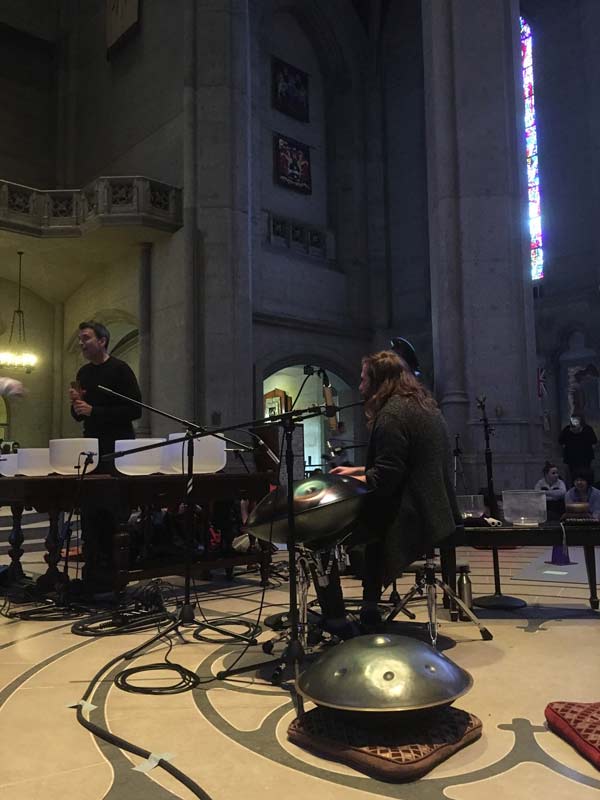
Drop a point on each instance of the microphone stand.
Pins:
(293, 653)
(496, 601)
(194, 431)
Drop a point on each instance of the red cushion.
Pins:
(579, 725)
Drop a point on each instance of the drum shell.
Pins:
(324, 509)
(383, 673)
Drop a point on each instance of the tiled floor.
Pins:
(230, 736)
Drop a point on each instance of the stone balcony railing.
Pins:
(107, 201)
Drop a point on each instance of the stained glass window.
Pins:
(531, 146)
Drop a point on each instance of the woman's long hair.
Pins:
(389, 375)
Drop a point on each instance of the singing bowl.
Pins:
(383, 673)
(148, 462)
(66, 455)
(576, 509)
(33, 461)
(209, 455)
(324, 507)
(8, 464)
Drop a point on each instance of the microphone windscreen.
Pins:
(329, 404)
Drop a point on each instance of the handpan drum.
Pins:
(325, 507)
(383, 673)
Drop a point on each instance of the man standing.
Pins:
(104, 416)
(577, 441)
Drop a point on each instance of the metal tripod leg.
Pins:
(485, 633)
(401, 607)
(425, 586)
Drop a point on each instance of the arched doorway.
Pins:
(327, 442)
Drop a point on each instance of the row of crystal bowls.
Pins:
(67, 456)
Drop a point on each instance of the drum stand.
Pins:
(426, 583)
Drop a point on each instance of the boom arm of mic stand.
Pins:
(199, 430)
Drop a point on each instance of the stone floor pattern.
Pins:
(229, 737)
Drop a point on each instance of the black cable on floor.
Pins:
(187, 679)
(111, 738)
(253, 628)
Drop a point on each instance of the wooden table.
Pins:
(54, 494)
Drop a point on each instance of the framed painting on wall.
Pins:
(289, 90)
(276, 402)
(292, 164)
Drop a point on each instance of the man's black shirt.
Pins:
(111, 417)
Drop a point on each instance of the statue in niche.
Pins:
(580, 380)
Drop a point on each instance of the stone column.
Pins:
(224, 210)
(59, 389)
(145, 335)
(378, 217)
(484, 339)
(191, 384)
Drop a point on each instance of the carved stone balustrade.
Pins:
(107, 201)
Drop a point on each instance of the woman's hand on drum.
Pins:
(351, 472)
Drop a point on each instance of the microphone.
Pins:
(333, 451)
(268, 451)
(330, 409)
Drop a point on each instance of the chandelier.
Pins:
(17, 357)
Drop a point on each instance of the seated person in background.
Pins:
(551, 483)
(583, 493)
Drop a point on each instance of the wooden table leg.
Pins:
(52, 575)
(121, 545)
(15, 539)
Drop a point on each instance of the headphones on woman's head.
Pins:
(406, 351)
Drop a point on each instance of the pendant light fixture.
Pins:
(17, 356)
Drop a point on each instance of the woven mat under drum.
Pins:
(397, 751)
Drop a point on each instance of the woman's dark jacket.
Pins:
(412, 506)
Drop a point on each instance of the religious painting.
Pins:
(276, 402)
(289, 87)
(292, 164)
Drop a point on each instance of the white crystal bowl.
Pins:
(146, 463)
(8, 464)
(470, 505)
(33, 461)
(526, 508)
(66, 455)
(209, 455)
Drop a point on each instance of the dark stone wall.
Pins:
(406, 173)
(28, 109)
